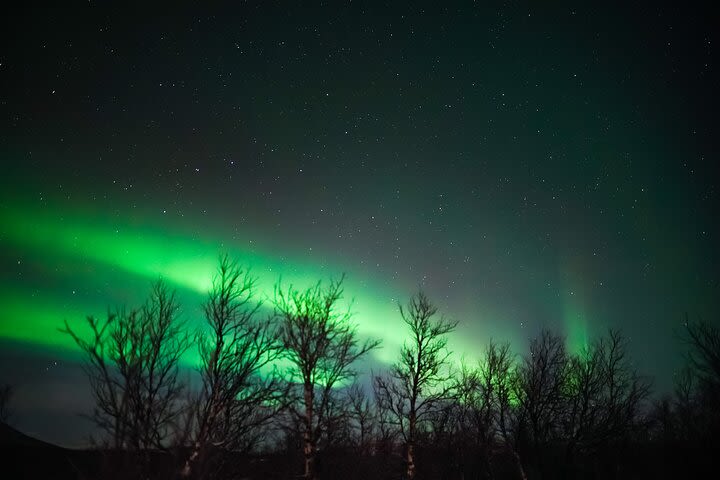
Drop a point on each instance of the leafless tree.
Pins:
(483, 408)
(362, 418)
(493, 413)
(538, 389)
(704, 355)
(419, 382)
(338, 432)
(387, 431)
(701, 390)
(686, 408)
(625, 391)
(240, 391)
(132, 362)
(497, 374)
(663, 423)
(583, 390)
(321, 344)
(604, 395)
(465, 431)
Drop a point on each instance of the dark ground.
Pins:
(29, 458)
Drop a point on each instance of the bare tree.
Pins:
(321, 345)
(663, 422)
(337, 433)
(497, 374)
(132, 362)
(701, 392)
(604, 395)
(6, 394)
(387, 431)
(466, 432)
(362, 418)
(493, 402)
(583, 390)
(483, 409)
(419, 382)
(538, 389)
(625, 391)
(238, 399)
(704, 355)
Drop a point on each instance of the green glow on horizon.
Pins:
(117, 260)
(146, 254)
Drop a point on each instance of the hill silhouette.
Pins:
(10, 437)
(30, 458)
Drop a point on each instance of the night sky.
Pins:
(527, 167)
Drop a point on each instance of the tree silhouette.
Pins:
(132, 362)
(553, 414)
(484, 416)
(237, 399)
(362, 418)
(604, 396)
(701, 390)
(419, 382)
(320, 343)
(538, 389)
(704, 356)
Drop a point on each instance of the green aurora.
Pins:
(112, 264)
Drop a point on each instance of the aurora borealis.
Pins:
(526, 167)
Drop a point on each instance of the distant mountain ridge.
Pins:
(29, 458)
(10, 437)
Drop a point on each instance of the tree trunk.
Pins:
(410, 460)
(518, 462)
(197, 456)
(188, 469)
(308, 436)
(309, 450)
(410, 450)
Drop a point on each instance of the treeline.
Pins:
(278, 395)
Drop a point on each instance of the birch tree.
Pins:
(321, 344)
(418, 383)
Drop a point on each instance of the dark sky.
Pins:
(528, 167)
